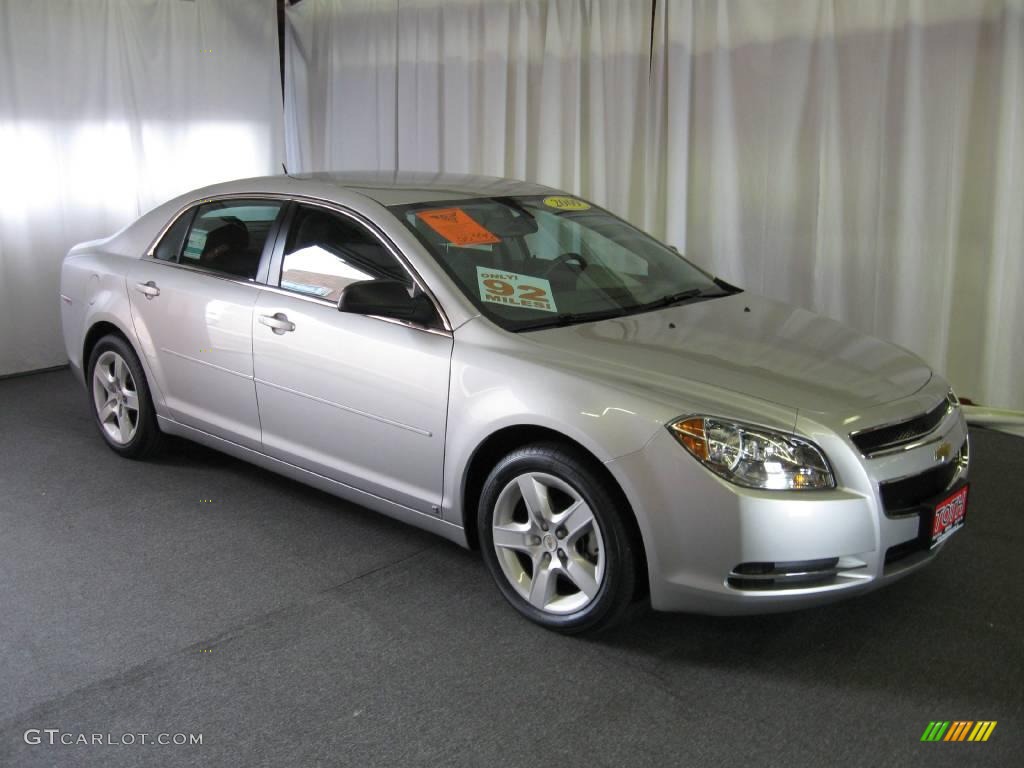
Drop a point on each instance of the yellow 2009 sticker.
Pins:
(515, 290)
(566, 204)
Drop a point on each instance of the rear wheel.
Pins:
(120, 399)
(553, 538)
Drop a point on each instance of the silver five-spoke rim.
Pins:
(548, 543)
(115, 397)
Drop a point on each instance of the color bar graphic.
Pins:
(958, 730)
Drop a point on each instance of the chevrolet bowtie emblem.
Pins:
(943, 452)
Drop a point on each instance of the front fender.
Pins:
(484, 399)
(500, 380)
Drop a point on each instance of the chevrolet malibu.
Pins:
(518, 370)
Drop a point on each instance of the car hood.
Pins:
(747, 344)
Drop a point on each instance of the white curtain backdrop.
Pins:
(107, 108)
(863, 158)
(548, 91)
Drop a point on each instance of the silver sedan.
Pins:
(520, 371)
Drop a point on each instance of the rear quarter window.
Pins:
(169, 247)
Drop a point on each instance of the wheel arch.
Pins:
(507, 439)
(106, 326)
(97, 331)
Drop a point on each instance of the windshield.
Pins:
(538, 261)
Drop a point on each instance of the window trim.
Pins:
(192, 208)
(273, 281)
(278, 256)
(283, 223)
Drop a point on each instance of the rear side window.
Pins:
(229, 236)
(326, 251)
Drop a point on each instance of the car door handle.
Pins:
(149, 290)
(278, 323)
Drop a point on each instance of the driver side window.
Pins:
(326, 251)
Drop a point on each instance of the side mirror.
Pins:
(387, 298)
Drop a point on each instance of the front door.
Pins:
(358, 399)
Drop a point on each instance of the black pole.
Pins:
(280, 42)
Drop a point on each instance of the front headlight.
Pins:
(753, 456)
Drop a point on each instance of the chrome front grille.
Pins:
(904, 495)
(876, 440)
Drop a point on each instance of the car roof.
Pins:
(384, 187)
(403, 187)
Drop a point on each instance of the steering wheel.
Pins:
(567, 259)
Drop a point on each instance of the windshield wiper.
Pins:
(569, 318)
(673, 299)
(667, 301)
(681, 296)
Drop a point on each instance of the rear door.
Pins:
(359, 399)
(192, 305)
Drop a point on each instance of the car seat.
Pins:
(226, 250)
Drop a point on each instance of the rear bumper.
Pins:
(716, 548)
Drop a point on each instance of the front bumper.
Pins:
(716, 548)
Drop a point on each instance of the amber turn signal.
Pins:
(691, 434)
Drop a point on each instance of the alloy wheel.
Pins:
(548, 543)
(116, 397)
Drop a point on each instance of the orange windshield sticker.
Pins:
(457, 227)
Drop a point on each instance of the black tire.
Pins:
(147, 436)
(616, 586)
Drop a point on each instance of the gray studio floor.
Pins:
(291, 629)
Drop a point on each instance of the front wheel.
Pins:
(554, 539)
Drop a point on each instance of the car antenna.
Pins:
(285, 168)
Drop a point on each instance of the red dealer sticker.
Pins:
(949, 516)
